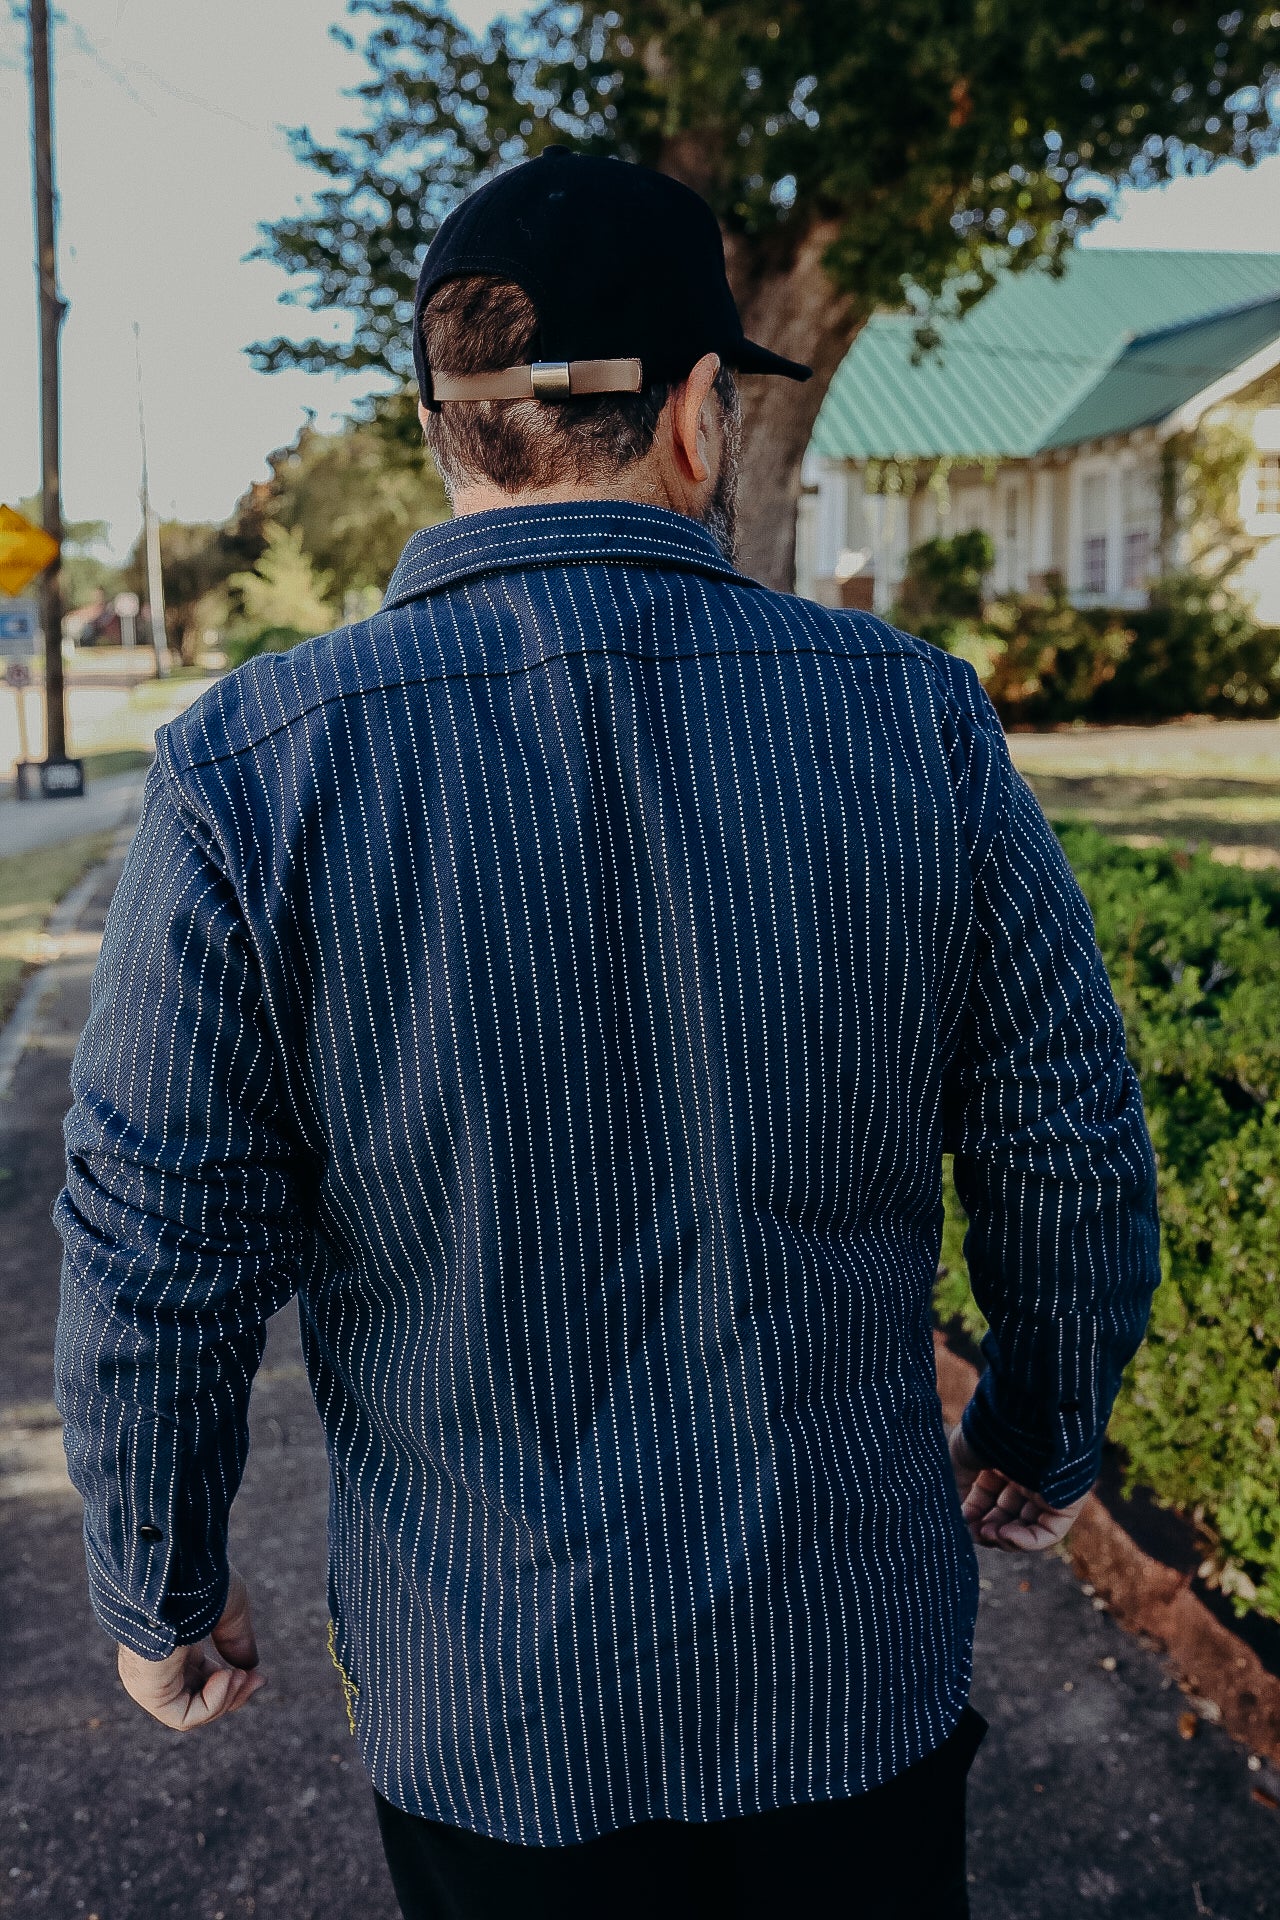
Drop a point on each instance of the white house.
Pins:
(1057, 415)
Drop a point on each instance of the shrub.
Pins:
(244, 642)
(1193, 949)
(942, 587)
(1048, 661)
(1196, 649)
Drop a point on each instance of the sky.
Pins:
(169, 151)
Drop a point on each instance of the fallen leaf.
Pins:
(1188, 1723)
(1265, 1799)
(1024, 1586)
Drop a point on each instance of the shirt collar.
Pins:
(587, 532)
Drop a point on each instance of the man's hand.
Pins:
(999, 1512)
(194, 1685)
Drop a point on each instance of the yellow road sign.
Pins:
(25, 550)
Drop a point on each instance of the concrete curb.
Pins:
(1224, 1676)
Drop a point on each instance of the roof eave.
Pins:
(1189, 415)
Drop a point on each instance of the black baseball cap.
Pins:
(618, 261)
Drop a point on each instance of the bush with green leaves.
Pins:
(245, 643)
(1043, 660)
(1193, 949)
(941, 591)
(1197, 648)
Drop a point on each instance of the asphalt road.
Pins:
(1085, 1798)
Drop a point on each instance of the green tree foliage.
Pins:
(1193, 950)
(856, 154)
(196, 559)
(279, 601)
(355, 497)
(351, 498)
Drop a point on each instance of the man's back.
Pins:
(604, 949)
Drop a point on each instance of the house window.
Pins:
(1093, 545)
(1009, 558)
(1012, 517)
(1267, 484)
(1137, 549)
(1137, 556)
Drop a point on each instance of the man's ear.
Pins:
(690, 420)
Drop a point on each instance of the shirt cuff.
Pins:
(1040, 1462)
(187, 1616)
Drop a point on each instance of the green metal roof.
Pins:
(1121, 340)
(1158, 372)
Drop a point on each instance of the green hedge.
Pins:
(1193, 949)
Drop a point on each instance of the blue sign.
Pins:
(19, 628)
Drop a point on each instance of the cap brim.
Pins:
(749, 358)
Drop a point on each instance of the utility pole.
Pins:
(51, 313)
(151, 533)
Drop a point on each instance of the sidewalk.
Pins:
(1085, 1798)
(105, 806)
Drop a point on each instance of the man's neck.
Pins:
(638, 484)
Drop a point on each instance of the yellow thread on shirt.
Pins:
(350, 1691)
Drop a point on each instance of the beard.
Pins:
(721, 515)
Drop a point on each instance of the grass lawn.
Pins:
(1213, 784)
(31, 885)
(99, 762)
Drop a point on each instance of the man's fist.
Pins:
(194, 1685)
(999, 1512)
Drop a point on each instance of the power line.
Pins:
(197, 100)
(188, 99)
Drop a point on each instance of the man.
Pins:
(567, 982)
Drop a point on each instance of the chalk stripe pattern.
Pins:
(566, 984)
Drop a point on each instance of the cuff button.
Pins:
(150, 1534)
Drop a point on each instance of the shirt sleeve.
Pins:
(1053, 1162)
(180, 1231)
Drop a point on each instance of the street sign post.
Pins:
(126, 606)
(17, 674)
(19, 637)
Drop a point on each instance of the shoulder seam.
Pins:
(255, 739)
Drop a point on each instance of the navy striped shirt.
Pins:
(566, 983)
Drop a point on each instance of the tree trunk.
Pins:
(788, 303)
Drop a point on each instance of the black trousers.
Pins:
(896, 1853)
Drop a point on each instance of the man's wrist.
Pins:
(1026, 1461)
